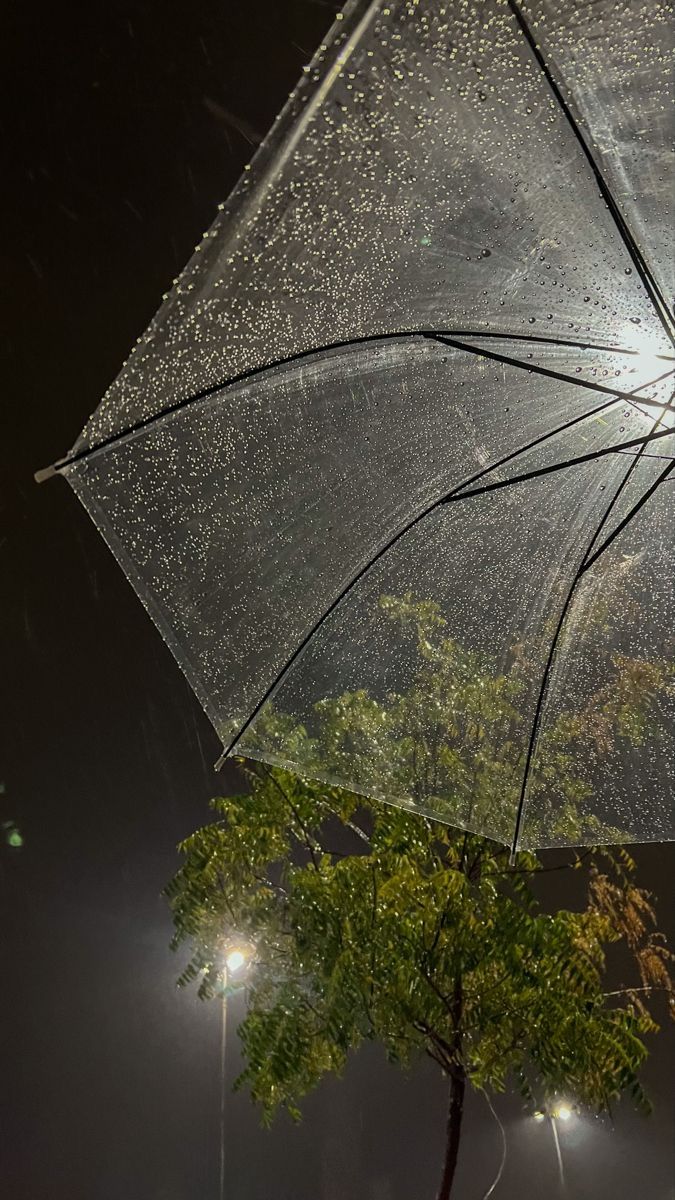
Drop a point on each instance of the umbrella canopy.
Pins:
(392, 467)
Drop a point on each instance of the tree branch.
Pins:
(438, 1041)
(349, 823)
(305, 840)
(628, 991)
(539, 870)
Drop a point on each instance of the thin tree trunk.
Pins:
(457, 1084)
(453, 1130)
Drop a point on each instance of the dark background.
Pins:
(123, 126)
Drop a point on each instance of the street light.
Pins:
(237, 959)
(561, 1112)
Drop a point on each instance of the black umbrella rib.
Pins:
(649, 282)
(664, 475)
(551, 468)
(367, 567)
(448, 336)
(662, 457)
(548, 372)
(588, 559)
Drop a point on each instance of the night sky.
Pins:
(124, 125)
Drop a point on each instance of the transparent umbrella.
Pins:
(425, 353)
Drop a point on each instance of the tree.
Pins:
(452, 742)
(372, 922)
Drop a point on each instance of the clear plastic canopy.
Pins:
(392, 467)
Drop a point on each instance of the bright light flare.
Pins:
(563, 1113)
(650, 361)
(235, 960)
(539, 1116)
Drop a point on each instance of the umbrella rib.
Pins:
(367, 567)
(548, 372)
(662, 457)
(648, 280)
(369, 339)
(591, 456)
(587, 561)
(661, 478)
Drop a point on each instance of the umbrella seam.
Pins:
(584, 565)
(651, 286)
(662, 478)
(425, 335)
(561, 376)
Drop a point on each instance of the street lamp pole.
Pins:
(562, 1112)
(237, 962)
(556, 1139)
(223, 1047)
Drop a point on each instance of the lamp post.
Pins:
(561, 1112)
(237, 960)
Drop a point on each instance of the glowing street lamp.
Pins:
(235, 960)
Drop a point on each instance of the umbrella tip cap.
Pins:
(44, 474)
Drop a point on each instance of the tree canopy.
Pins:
(453, 743)
(370, 922)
